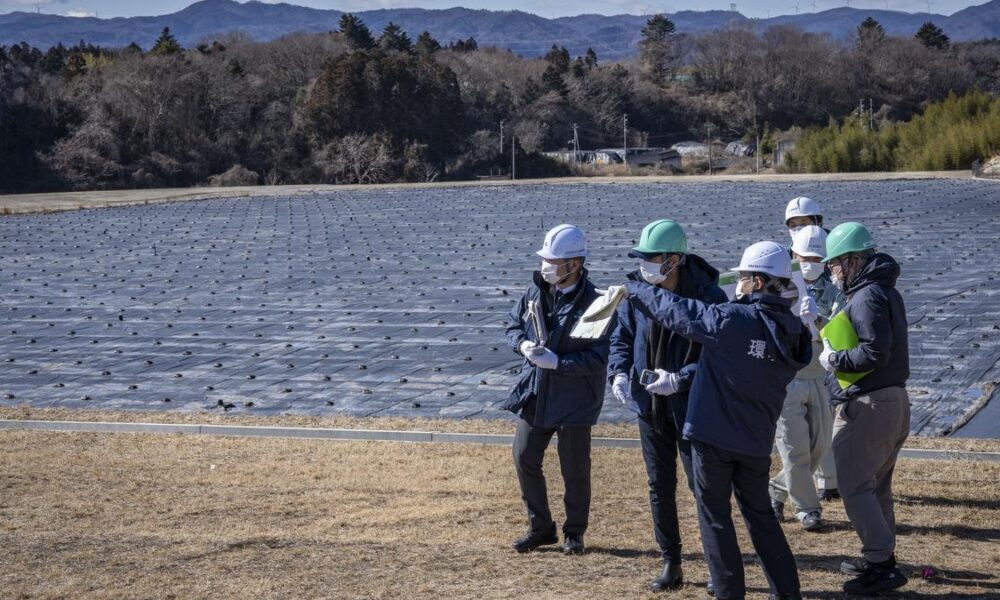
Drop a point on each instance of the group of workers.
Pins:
(721, 382)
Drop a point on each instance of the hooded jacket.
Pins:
(751, 350)
(630, 340)
(875, 309)
(573, 393)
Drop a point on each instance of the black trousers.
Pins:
(660, 447)
(530, 443)
(718, 474)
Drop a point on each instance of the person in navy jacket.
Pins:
(751, 350)
(640, 343)
(560, 390)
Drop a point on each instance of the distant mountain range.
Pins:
(524, 33)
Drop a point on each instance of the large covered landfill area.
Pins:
(391, 302)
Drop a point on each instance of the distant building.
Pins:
(637, 157)
(691, 149)
(741, 149)
(781, 150)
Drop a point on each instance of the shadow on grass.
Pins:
(958, 531)
(939, 501)
(631, 553)
(900, 593)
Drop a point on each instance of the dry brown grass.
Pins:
(216, 417)
(126, 515)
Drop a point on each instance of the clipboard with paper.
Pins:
(595, 321)
(535, 319)
(841, 334)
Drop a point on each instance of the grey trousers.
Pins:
(574, 459)
(803, 437)
(868, 433)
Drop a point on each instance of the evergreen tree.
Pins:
(658, 47)
(469, 45)
(166, 44)
(590, 59)
(426, 44)
(395, 39)
(870, 33)
(356, 33)
(553, 77)
(932, 36)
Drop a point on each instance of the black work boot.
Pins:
(854, 566)
(671, 578)
(573, 544)
(829, 494)
(535, 538)
(877, 578)
(857, 566)
(710, 587)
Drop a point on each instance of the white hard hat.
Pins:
(802, 207)
(563, 241)
(766, 257)
(810, 241)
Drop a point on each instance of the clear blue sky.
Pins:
(546, 8)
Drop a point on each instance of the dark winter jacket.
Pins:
(751, 350)
(573, 393)
(875, 309)
(630, 341)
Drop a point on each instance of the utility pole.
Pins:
(861, 111)
(871, 115)
(576, 145)
(708, 127)
(501, 137)
(513, 157)
(625, 140)
(756, 152)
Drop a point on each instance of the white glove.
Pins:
(666, 383)
(824, 356)
(526, 347)
(618, 289)
(808, 311)
(543, 358)
(620, 388)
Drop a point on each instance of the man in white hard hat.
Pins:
(805, 428)
(800, 212)
(560, 391)
(751, 350)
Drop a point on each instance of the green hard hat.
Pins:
(660, 237)
(846, 238)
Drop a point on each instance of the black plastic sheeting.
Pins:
(391, 302)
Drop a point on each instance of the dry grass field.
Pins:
(171, 516)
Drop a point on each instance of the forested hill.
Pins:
(526, 34)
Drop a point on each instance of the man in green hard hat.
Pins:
(639, 344)
(873, 413)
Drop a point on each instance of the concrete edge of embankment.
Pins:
(376, 435)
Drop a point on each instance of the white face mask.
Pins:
(739, 288)
(811, 271)
(550, 273)
(651, 272)
(793, 230)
